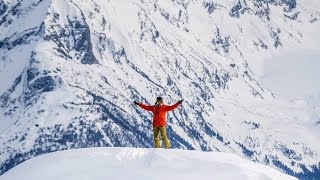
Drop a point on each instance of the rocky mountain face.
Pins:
(71, 69)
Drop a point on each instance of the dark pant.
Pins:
(163, 136)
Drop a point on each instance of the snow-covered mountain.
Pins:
(70, 70)
(131, 163)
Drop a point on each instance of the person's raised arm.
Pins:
(172, 107)
(143, 106)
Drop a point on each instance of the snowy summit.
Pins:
(140, 163)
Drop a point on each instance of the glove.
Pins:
(180, 102)
(136, 103)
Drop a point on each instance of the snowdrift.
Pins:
(140, 163)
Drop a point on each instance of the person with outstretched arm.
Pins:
(159, 111)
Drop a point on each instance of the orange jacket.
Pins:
(159, 113)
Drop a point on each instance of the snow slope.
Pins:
(131, 163)
(293, 72)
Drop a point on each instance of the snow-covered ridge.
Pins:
(70, 70)
(136, 164)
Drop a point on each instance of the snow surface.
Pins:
(133, 163)
(293, 73)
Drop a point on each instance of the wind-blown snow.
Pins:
(137, 164)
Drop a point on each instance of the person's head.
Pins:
(159, 101)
